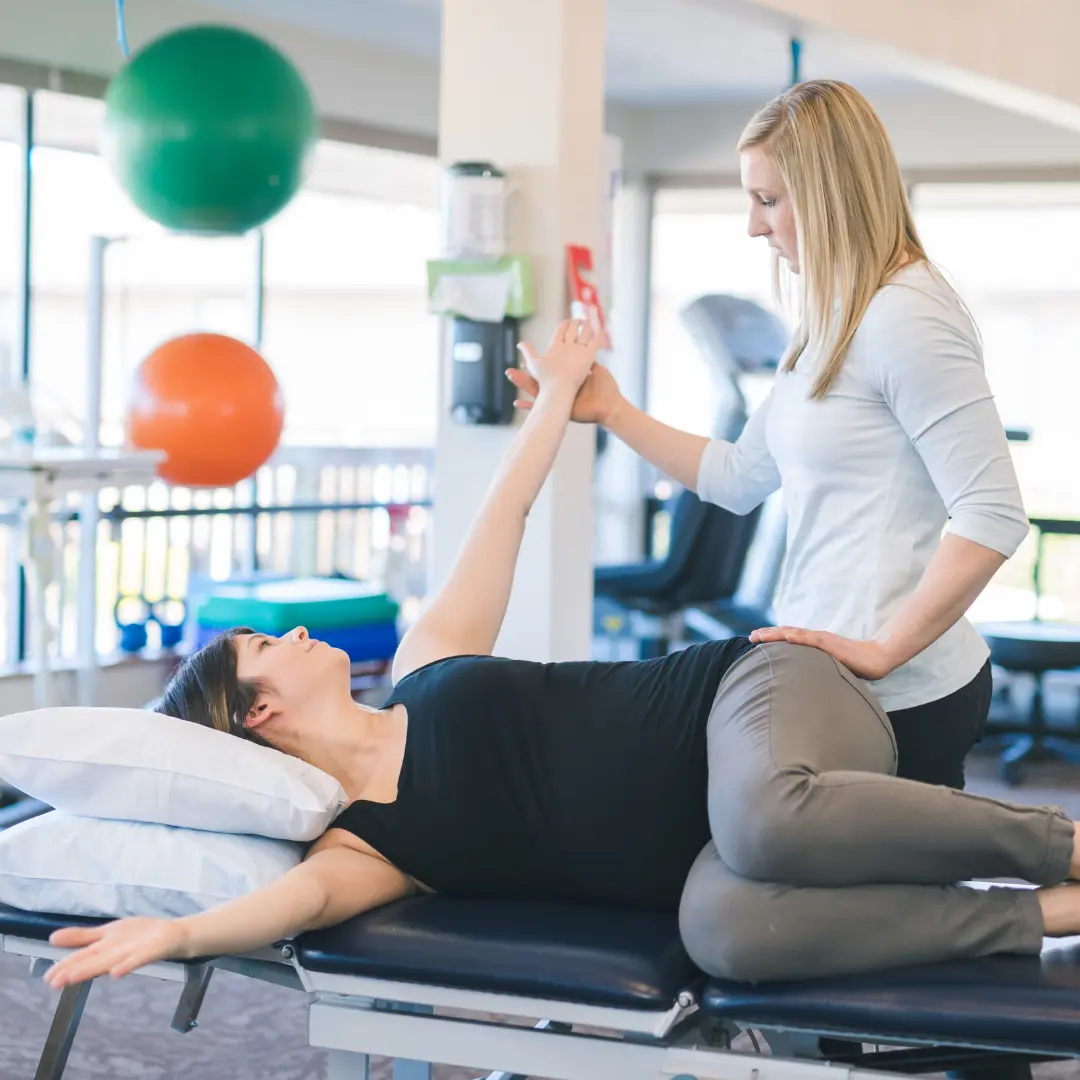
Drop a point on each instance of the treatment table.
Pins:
(605, 995)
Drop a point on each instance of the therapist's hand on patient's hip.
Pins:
(867, 659)
(116, 948)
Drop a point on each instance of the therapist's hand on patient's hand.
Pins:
(595, 402)
(568, 359)
(867, 659)
(117, 948)
(571, 357)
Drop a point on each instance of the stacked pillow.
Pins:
(153, 815)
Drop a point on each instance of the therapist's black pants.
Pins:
(932, 740)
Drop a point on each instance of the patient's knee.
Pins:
(770, 834)
(728, 925)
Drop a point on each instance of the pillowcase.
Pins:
(82, 866)
(135, 765)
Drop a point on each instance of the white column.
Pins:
(621, 475)
(522, 86)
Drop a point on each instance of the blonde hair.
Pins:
(852, 215)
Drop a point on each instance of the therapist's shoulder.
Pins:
(917, 325)
(917, 295)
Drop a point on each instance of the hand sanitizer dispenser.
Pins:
(485, 301)
(480, 353)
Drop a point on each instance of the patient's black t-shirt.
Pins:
(581, 782)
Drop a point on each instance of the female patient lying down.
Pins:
(749, 786)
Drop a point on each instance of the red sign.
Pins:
(579, 271)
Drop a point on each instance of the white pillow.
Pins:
(81, 866)
(136, 765)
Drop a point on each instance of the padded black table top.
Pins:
(625, 959)
(1014, 1002)
(635, 960)
(36, 925)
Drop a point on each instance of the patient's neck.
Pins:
(358, 746)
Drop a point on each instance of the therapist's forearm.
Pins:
(956, 575)
(676, 453)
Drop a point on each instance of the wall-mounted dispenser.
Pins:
(483, 291)
(486, 300)
(475, 195)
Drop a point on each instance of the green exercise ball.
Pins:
(208, 130)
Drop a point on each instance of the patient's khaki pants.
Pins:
(824, 863)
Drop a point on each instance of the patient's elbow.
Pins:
(309, 898)
(324, 918)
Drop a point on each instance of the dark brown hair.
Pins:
(205, 689)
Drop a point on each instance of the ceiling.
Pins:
(659, 52)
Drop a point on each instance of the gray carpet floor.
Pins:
(252, 1031)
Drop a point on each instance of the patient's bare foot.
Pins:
(1060, 909)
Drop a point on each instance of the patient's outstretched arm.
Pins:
(332, 885)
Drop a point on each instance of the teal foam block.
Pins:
(275, 607)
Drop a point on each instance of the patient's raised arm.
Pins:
(467, 614)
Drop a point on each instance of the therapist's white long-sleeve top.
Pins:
(907, 438)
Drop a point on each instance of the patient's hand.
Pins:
(117, 948)
(568, 360)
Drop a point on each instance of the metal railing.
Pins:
(363, 513)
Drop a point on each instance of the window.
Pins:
(156, 285)
(1010, 251)
(342, 322)
(345, 286)
(700, 246)
(11, 225)
(1009, 248)
(12, 168)
(347, 328)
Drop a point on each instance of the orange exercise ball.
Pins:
(212, 404)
